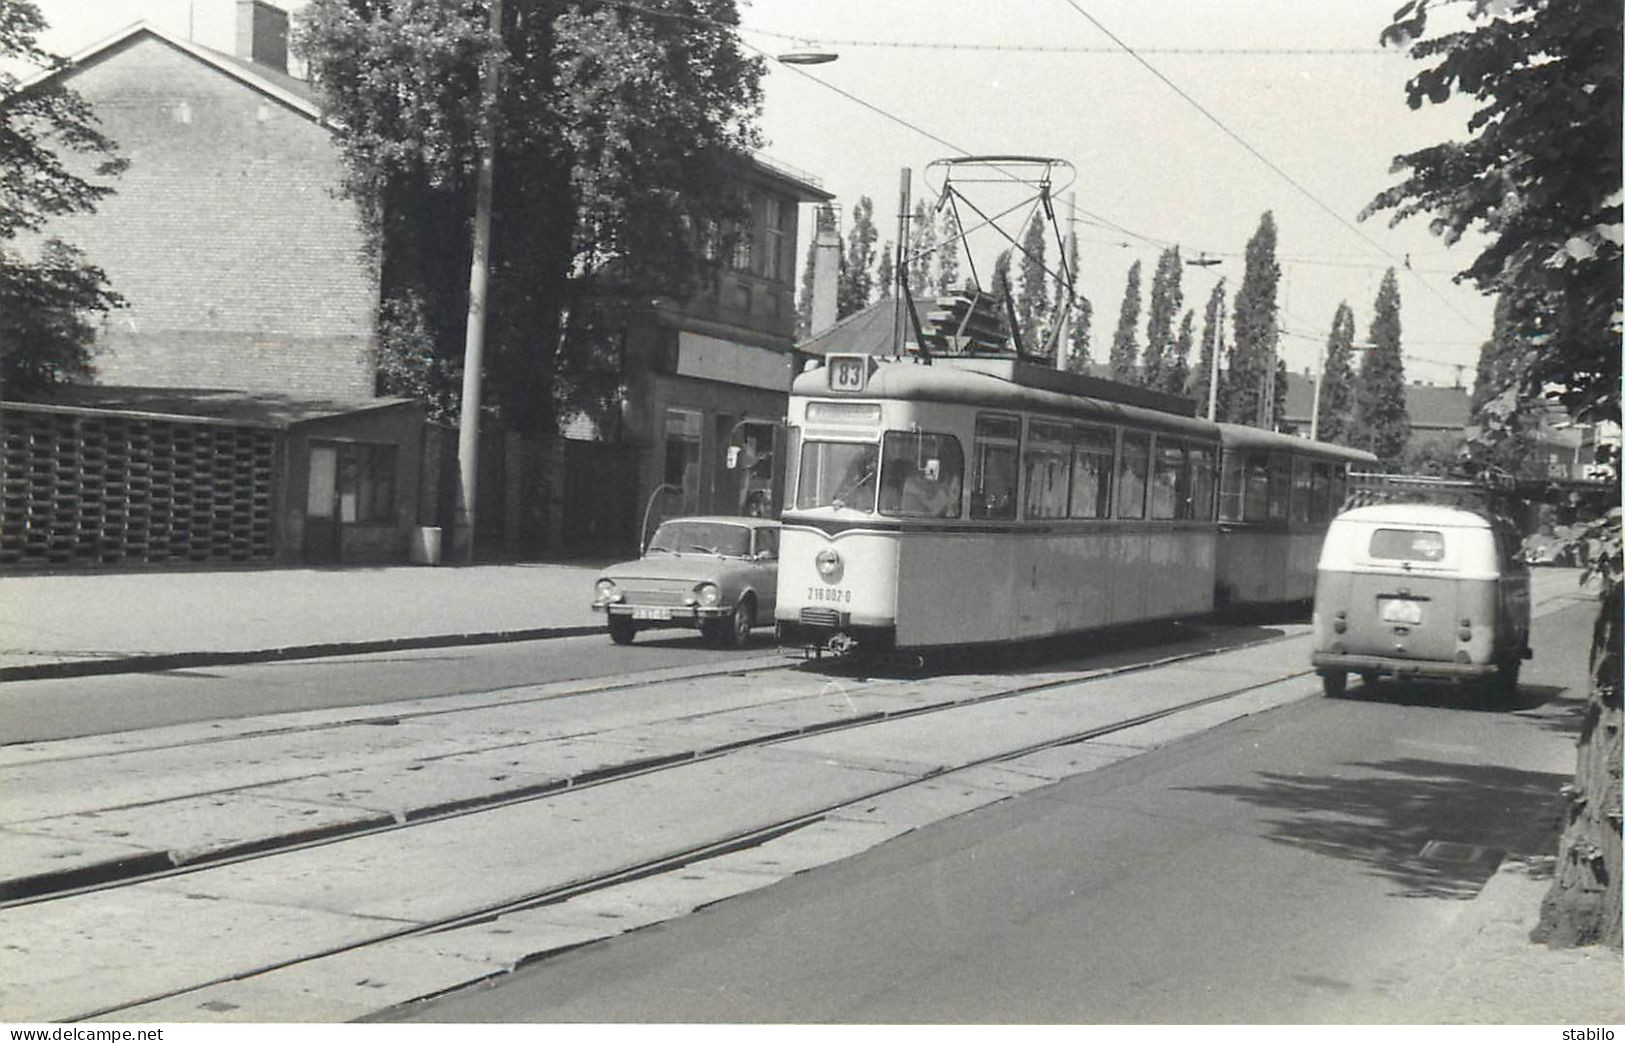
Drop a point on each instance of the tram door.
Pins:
(322, 506)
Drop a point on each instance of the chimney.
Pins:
(262, 34)
(826, 268)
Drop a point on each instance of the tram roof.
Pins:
(956, 386)
(1240, 436)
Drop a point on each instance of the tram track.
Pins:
(734, 842)
(166, 865)
(699, 846)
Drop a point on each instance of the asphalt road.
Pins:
(1288, 867)
(68, 707)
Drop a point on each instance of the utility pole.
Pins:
(1063, 329)
(900, 273)
(468, 423)
(1213, 363)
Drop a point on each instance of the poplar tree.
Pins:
(1383, 425)
(1032, 309)
(856, 285)
(1335, 420)
(1212, 327)
(922, 250)
(1176, 372)
(1166, 300)
(1125, 352)
(885, 272)
(1257, 334)
(1001, 291)
(948, 254)
(1077, 351)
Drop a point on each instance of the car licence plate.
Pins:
(1401, 611)
(651, 613)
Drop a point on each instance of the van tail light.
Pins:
(1466, 631)
(1340, 622)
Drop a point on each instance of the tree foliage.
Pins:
(1199, 386)
(948, 254)
(1540, 175)
(1033, 302)
(1383, 422)
(857, 282)
(617, 130)
(1335, 417)
(1166, 299)
(1125, 352)
(922, 251)
(47, 287)
(1257, 333)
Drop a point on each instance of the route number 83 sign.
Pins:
(848, 373)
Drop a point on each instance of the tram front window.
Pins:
(838, 474)
(921, 475)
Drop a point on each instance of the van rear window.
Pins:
(1408, 544)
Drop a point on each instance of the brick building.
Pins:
(242, 267)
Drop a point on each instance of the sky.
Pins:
(1232, 108)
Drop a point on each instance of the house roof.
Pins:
(867, 331)
(258, 409)
(278, 86)
(1431, 408)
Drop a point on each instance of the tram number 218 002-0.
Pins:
(834, 594)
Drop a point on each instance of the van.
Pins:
(1418, 590)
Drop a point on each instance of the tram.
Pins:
(1277, 494)
(983, 500)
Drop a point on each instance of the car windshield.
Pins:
(701, 537)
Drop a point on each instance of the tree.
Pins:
(1125, 352)
(1077, 352)
(1176, 373)
(857, 281)
(618, 132)
(886, 271)
(1540, 176)
(1504, 429)
(1335, 416)
(1166, 300)
(1383, 424)
(921, 251)
(1257, 332)
(1033, 307)
(804, 300)
(1200, 385)
(1002, 291)
(948, 255)
(45, 296)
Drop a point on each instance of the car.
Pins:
(718, 574)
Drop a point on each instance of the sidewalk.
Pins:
(68, 624)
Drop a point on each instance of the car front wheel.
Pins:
(621, 630)
(734, 631)
(1334, 683)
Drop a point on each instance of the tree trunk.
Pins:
(1583, 905)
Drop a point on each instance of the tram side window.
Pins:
(1047, 466)
(1232, 486)
(1340, 488)
(1092, 456)
(921, 474)
(1280, 485)
(1131, 481)
(1257, 507)
(1320, 495)
(1169, 484)
(1200, 503)
(993, 482)
(1303, 484)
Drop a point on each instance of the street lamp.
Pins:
(807, 54)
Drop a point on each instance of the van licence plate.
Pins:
(1401, 611)
(651, 613)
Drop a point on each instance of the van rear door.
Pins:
(1403, 601)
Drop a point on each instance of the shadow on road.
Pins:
(1436, 829)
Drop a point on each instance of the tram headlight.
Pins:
(829, 564)
(707, 594)
(608, 592)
